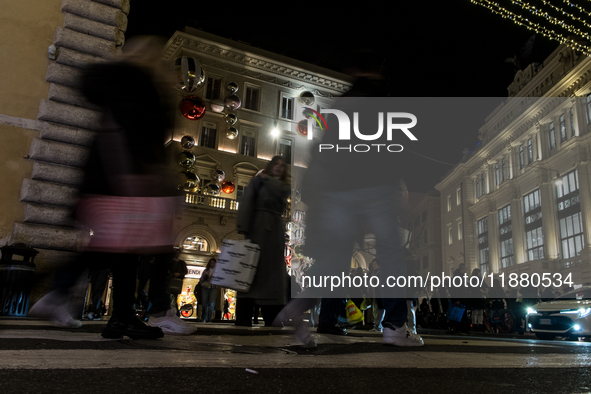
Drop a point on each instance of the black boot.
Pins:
(131, 327)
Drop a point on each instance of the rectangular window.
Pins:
(460, 231)
(530, 152)
(477, 187)
(588, 108)
(503, 169)
(483, 256)
(450, 238)
(247, 143)
(497, 174)
(239, 192)
(562, 126)
(213, 89)
(506, 237)
(552, 135)
(251, 98)
(571, 235)
(521, 157)
(569, 216)
(458, 196)
(483, 185)
(287, 107)
(535, 244)
(448, 203)
(208, 135)
(572, 121)
(284, 149)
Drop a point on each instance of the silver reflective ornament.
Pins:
(187, 142)
(186, 159)
(218, 175)
(232, 133)
(190, 74)
(213, 188)
(306, 98)
(297, 197)
(232, 102)
(217, 106)
(231, 119)
(189, 181)
(232, 87)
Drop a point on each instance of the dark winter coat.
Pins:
(259, 217)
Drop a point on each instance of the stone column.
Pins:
(93, 31)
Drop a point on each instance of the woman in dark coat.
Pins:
(259, 219)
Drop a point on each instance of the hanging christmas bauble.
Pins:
(303, 127)
(297, 197)
(187, 142)
(190, 74)
(192, 107)
(189, 181)
(186, 159)
(232, 132)
(231, 119)
(213, 188)
(232, 87)
(228, 187)
(217, 106)
(306, 98)
(218, 175)
(232, 102)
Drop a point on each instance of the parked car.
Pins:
(567, 316)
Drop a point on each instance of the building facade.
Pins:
(520, 202)
(269, 88)
(423, 222)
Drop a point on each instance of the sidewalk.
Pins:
(228, 328)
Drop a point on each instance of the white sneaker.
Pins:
(400, 336)
(171, 324)
(54, 307)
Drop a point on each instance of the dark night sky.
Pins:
(432, 48)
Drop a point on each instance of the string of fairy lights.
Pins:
(557, 21)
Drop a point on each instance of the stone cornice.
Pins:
(255, 66)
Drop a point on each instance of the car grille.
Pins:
(559, 323)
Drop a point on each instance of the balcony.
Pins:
(220, 204)
(213, 202)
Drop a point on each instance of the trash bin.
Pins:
(16, 279)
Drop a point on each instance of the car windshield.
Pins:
(581, 294)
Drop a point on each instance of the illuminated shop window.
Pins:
(196, 243)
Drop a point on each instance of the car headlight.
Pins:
(584, 312)
(531, 311)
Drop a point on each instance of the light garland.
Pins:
(520, 20)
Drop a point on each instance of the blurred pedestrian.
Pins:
(209, 292)
(260, 220)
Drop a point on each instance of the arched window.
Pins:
(196, 244)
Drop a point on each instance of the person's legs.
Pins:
(158, 293)
(244, 307)
(206, 304)
(212, 298)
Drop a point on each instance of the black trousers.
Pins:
(245, 308)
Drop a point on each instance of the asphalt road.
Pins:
(38, 358)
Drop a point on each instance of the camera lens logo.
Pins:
(310, 113)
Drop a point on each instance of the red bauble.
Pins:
(228, 187)
(303, 127)
(192, 107)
